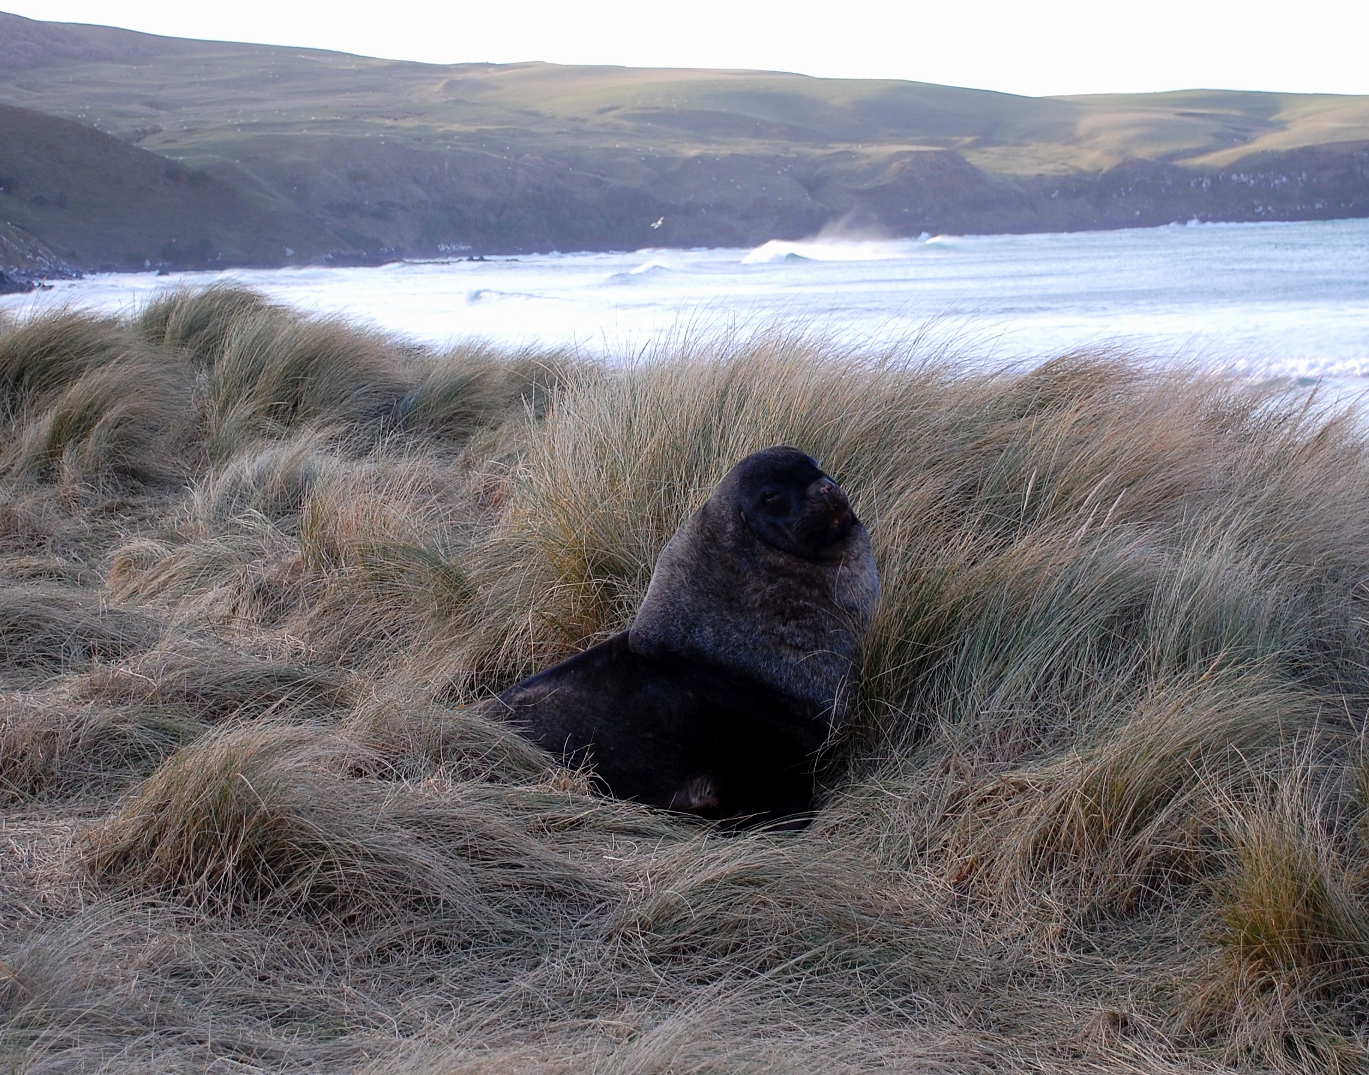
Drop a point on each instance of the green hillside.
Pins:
(386, 157)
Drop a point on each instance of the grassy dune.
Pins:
(1102, 804)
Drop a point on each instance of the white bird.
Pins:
(658, 224)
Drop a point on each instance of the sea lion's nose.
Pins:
(835, 506)
(828, 491)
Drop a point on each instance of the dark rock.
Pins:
(15, 284)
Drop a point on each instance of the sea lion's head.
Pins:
(788, 502)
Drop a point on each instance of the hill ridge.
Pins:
(362, 159)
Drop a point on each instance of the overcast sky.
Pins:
(1045, 47)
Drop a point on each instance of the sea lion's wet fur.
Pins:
(782, 597)
(669, 732)
(739, 662)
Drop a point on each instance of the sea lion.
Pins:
(739, 662)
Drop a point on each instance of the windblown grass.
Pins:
(1101, 804)
(46, 630)
(83, 398)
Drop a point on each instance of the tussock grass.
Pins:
(271, 480)
(51, 747)
(41, 356)
(412, 738)
(1100, 804)
(778, 909)
(213, 684)
(277, 372)
(1127, 815)
(1291, 927)
(126, 419)
(46, 630)
(243, 817)
(198, 321)
(273, 817)
(459, 391)
(84, 399)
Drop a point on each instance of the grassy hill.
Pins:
(1100, 806)
(97, 201)
(390, 157)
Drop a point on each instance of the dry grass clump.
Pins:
(1131, 813)
(271, 479)
(52, 747)
(788, 907)
(42, 355)
(246, 816)
(128, 419)
(1290, 922)
(198, 321)
(215, 683)
(270, 368)
(277, 372)
(238, 818)
(251, 576)
(410, 737)
(460, 390)
(84, 400)
(275, 817)
(46, 630)
(1099, 805)
(353, 555)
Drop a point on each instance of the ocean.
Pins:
(1267, 299)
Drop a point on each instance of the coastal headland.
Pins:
(121, 150)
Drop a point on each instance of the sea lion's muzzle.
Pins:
(832, 505)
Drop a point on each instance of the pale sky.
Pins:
(1045, 47)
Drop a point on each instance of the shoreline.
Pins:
(1205, 291)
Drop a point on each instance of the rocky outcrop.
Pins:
(11, 283)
